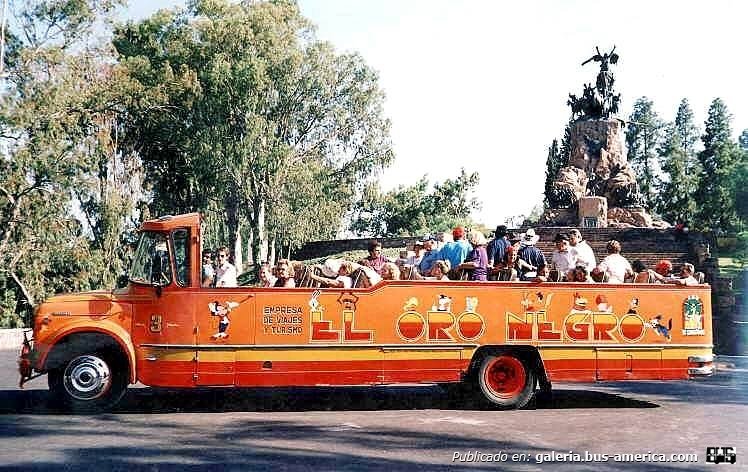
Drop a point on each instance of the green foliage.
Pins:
(414, 210)
(241, 110)
(552, 165)
(643, 138)
(678, 161)
(719, 161)
(564, 153)
(57, 133)
(741, 180)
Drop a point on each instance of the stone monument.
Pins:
(597, 187)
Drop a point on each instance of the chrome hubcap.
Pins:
(87, 378)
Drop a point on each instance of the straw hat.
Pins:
(530, 238)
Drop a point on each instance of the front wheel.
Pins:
(89, 383)
(506, 380)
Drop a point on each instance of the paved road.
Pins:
(396, 428)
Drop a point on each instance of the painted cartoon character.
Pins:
(532, 301)
(314, 302)
(661, 329)
(602, 304)
(633, 307)
(222, 311)
(411, 304)
(471, 304)
(445, 303)
(580, 303)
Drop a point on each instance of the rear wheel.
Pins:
(90, 382)
(506, 380)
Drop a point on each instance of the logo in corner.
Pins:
(693, 316)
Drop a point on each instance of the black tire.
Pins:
(506, 380)
(89, 382)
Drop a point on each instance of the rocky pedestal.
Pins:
(597, 168)
(593, 210)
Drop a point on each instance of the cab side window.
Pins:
(181, 239)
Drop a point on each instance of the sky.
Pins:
(482, 85)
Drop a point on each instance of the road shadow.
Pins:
(291, 444)
(728, 387)
(157, 400)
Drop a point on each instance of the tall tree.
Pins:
(715, 195)
(55, 126)
(565, 150)
(256, 109)
(678, 161)
(741, 180)
(552, 166)
(643, 139)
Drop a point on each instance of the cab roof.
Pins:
(172, 221)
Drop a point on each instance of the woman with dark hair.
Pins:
(284, 274)
(580, 274)
(642, 274)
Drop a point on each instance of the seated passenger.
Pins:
(225, 271)
(598, 275)
(376, 259)
(342, 274)
(283, 274)
(439, 271)
(208, 272)
(409, 272)
(430, 255)
(456, 251)
(664, 268)
(496, 250)
(511, 261)
(416, 257)
(530, 260)
(580, 274)
(684, 278)
(363, 276)
(477, 260)
(584, 254)
(390, 271)
(267, 279)
(642, 274)
(563, 259)
(615, 266)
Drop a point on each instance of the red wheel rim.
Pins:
(505, 376)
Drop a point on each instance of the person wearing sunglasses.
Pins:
(208, 271)
(225, 271)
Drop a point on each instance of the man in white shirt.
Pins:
(585, 256)
(563, 259)
(225, 271)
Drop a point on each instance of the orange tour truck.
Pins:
(506, 339)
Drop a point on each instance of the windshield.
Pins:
(151, 263)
